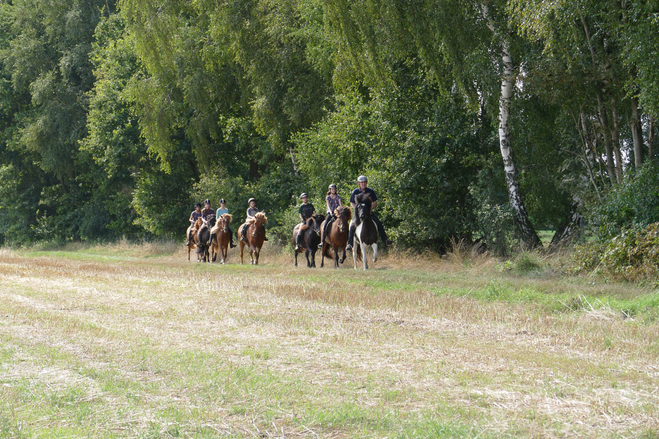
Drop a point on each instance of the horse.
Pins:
(255, 236)
(192, 230)
(366, 232)
(222, 237)
(310, 238)
(337, 235)
(203, 235)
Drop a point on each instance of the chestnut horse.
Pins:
(310, 238)
(255, 236)
(221, 238)
(193, 239)
(337, 236)
(366, 233)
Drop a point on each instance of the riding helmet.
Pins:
(197, 204)
(223, 201)
(304, 195)
(331, 186)
(362, 178)
(250, 200)
(207, 201)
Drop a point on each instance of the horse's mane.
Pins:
(341, 210)
(261, 216)
(363, 198)
(228, 218)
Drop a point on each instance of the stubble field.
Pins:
(134, 341)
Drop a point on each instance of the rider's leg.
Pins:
(265, 238)
(231, 244)
(244, 233)
(351, 236)
(323, 233)
(298, 238)
(188, 234)
(383, 234)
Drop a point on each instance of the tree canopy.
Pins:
(477, 120)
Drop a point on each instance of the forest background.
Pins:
(116, 116)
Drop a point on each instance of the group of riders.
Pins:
(306, 210)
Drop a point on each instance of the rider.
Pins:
(221, 211)
(362, 180)
(194, 216)
(251, 211)
(333, 201)
(206, 213)
(305, 210)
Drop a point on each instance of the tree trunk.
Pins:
(604, 118)
(615, 140)
(637, 133)
(604, 121)
(570, 229)
(527, 233)
(651, 139)
(587, 149)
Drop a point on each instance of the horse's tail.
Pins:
(327, 252)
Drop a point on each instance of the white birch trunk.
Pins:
(524, 226)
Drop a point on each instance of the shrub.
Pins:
(631, 255)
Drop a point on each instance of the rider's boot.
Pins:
(231, 244)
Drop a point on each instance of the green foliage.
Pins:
(633, 254)
(634, 203)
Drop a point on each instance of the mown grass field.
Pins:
(134, 341)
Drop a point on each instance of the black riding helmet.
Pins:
(197, 205)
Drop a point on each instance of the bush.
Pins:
(631, 255)
(633, 204)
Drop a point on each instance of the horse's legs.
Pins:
(242, 249)
(336, 256)
(295, 253)
(364, 256)
(354, 255)
(375, 252)
(306, 254)
(322, 254)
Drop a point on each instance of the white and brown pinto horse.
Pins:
(366, 232)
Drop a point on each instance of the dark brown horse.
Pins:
(310, 238)
(255, 236)
(221, 238)
(366, 232)
(337, 236)
(203, 236)
(192, 234)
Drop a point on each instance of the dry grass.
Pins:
(133, 341)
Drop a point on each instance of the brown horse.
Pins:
(255, 236)
(310, 238)
(221, 238)
(192, 234)
(337, 236)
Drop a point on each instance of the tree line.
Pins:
(482, 120)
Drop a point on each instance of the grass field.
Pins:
(134, 341)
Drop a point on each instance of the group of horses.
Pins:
(335, 240)
(218, 229)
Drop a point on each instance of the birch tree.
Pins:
(462, 43)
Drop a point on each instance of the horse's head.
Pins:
(224, 222)
(260, 218)
(315, 221)
(363, 203)
(344, 215)
(211, 221)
